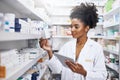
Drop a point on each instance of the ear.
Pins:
(87, 28)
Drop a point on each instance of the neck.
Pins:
(81, 40)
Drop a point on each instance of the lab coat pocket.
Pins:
(88, 64)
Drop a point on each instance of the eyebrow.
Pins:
(74, 25)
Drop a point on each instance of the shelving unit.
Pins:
(113, 25)
(111, 12)
(42, 73)
(21, 10)
(113, 67)
(111, 52)
(17, 36)
(20, 7)
(20, 70)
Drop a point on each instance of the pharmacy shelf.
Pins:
(103, 37)
(113, 67)
(20, 70)
(42, 73)
(61, 23)
(8, 36)
(117, 37)
(111, 25)
(61, 36)
(106, 37)
(112, 52)
(110, 38)
(96, 36)
(23, 10)
(112, 12)
(100, 24)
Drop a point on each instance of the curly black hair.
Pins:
(87, 13)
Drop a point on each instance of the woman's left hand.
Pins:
(76, 67)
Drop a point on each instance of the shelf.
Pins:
(61, 23)
(20, 70)
(113, 67)
(112, 12)
(42, 73)
(100, 24)
(111, 25)
(112, 52)
(62, 36)
(106, 37)
(110, 38)
(95, 36)
(117, 37)
(22, 10)
(8, 36)
(103, 37)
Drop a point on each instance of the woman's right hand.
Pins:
(46, 46)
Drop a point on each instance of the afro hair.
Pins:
(87, 13)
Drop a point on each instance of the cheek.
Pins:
(81, 31)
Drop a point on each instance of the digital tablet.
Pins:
(62, 59)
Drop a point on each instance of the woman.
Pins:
(88, 55)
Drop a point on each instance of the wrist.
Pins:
(50, 54)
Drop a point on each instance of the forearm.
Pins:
(50, 54)
(54, 64)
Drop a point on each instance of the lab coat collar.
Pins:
(88, 42)
(84, 50)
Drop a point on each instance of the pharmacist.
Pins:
(88, 55)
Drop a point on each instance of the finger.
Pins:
(73, 67)
(71, 63)
(79, 65)
(46, 42)
(41, 39)
(80, 68)
(42, 42)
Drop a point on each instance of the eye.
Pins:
(77, 26)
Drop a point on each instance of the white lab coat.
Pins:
(91, 58)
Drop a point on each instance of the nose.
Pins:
(73, 29)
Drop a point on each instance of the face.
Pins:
(78, 29)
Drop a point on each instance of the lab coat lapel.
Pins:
(83, 51)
